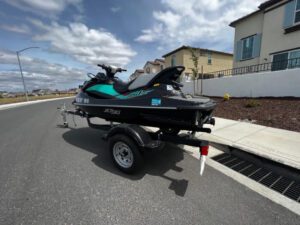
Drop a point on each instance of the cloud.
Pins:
(196, 21)
(38, 73)
(44, 7)
(22, 29)
(86, 45)
(115, 9)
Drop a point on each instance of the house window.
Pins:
(280, 61)
(173, 60)
(286, 60)
(294, 59)
(209, 60)
(247, 48)
(297, 13)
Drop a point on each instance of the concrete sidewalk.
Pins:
(278, 145)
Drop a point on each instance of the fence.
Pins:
(272, 66)
(281, 83)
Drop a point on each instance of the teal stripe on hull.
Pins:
(104, 88)
(109, 90)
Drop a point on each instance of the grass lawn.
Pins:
(31, 98)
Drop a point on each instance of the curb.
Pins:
(219, 141)
(19, 104)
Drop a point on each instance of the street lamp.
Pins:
(24, 85)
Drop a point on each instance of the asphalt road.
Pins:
(52, 175)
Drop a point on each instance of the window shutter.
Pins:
(238, 50)
(289, 14)
(256, 45)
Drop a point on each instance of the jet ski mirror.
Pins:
(90, 75)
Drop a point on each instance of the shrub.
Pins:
(252, 103)
(226, 97)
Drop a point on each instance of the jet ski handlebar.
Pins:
(111, 71)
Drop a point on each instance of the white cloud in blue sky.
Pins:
(74, 35)
(38, 73)
(44, 7)
(191, 21)
(86, 45)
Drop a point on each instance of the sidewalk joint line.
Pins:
(250, 134)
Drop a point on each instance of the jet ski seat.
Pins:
(121, 86)
(145, 80)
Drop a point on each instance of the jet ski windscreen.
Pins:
(141, 81)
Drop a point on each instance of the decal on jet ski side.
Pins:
(109, 90)
(156, 101)
(112, 111)
(134, 94)
(82, 100)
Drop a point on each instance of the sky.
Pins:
(73, 36)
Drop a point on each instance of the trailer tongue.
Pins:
(127, 142)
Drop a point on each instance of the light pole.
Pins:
(24, 85)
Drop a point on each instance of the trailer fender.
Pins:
(138, 134)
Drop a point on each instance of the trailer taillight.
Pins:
(204, 150)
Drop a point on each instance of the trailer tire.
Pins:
(125, 153)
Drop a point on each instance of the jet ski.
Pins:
(149, 100)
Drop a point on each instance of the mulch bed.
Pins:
(281, 113)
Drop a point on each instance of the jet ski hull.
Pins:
(164, 112)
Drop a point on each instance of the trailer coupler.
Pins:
(64, 112)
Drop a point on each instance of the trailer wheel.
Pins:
(125, 153)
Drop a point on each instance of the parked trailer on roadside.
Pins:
(128, 142)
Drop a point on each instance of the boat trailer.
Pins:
(127, 142)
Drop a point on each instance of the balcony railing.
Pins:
(272, 66)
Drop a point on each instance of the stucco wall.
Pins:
(275, 84)
(250, 26)
(179, 59)
(184, 57)
(219, 62)
(274, 39)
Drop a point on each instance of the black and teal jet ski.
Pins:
(151, 100)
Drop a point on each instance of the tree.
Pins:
(195, 70)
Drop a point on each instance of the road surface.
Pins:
(52, 175)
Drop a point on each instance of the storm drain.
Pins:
(281, 183)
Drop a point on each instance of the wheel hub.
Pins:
(123, 154)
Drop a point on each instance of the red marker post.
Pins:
(203, 154)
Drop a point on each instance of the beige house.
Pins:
(270, 34)
(154, 66)
(150, 67)
(211, 60)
